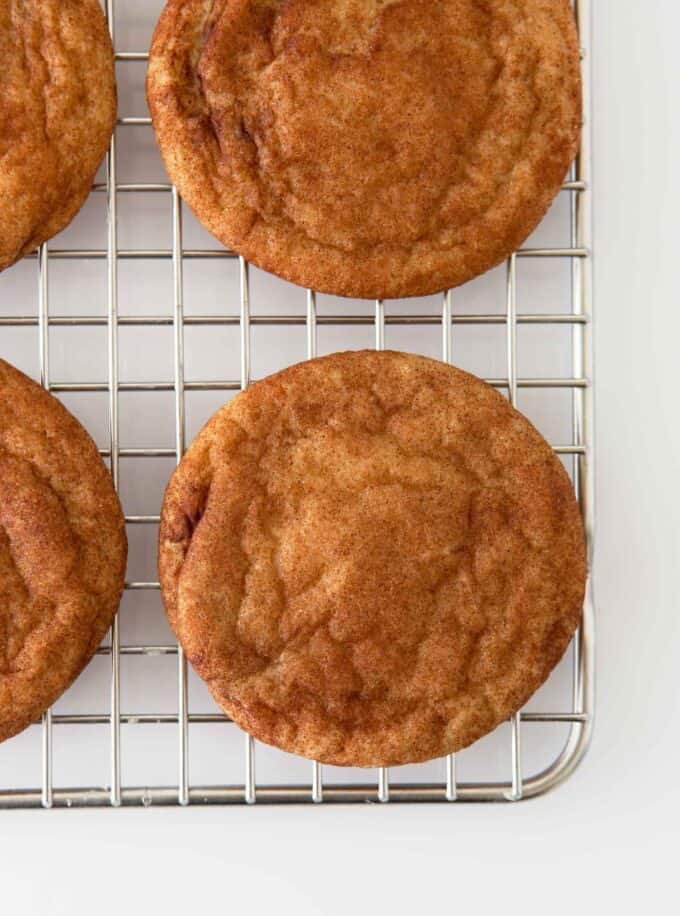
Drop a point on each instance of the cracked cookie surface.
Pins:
(372, 148)
(371, 558)
(63, 550)
(57, 113)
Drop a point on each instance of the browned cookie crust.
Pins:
(371, 558)
(57, 112)
(377, 148)
(62, 550)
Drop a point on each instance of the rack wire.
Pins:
(577, 713)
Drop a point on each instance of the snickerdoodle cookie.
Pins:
(57, 112)
(62, 550)
(376, 148)
(371, 558)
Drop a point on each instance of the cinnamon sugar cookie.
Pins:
(371, 559)
(372, 148)
(62, 550)
(57, 113)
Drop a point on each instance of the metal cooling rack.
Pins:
(577, 709)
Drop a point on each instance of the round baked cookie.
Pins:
(371, 559)
(371, 148)
(62, 550)
(57, 113)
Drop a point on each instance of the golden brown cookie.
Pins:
(57, 112)
(371, 558)
(62, 550)
(377, 148)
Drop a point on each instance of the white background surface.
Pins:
(609, 836)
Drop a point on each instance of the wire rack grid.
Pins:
(445, 786)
